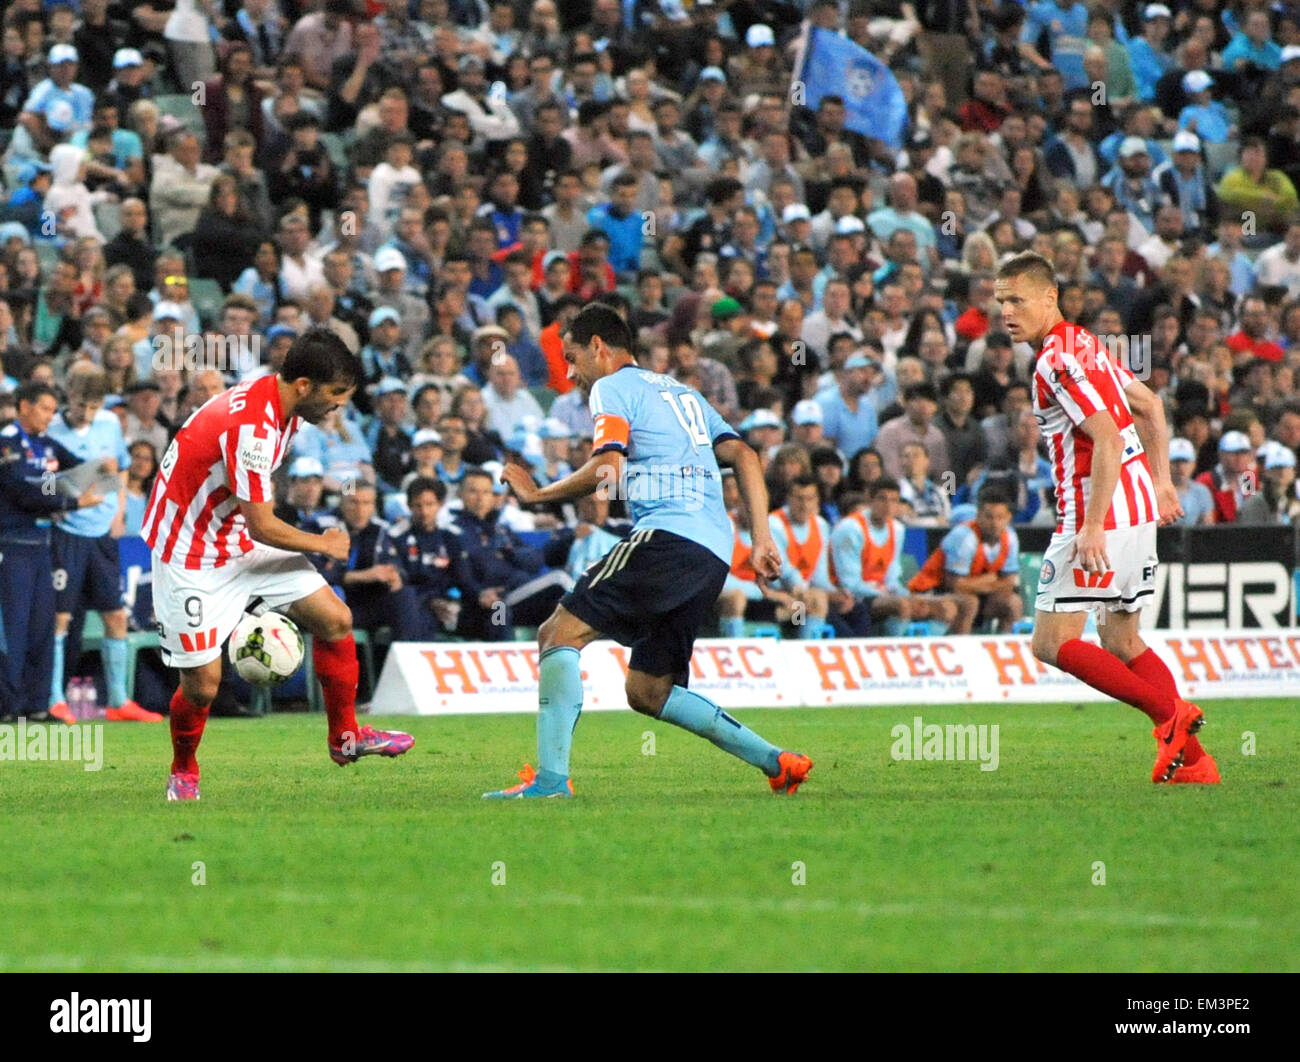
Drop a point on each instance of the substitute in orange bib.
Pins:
(866, 550)
(979, 563)
(1110, 465)
(800, 595)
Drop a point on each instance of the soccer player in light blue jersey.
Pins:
(658, 444)
(87, 571)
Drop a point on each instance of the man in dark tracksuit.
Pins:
(431, 559)
(503, 587)
(373, 579)
(27, 501)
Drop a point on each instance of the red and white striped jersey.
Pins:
(1074, 377)
(225, 453)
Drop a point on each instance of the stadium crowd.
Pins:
(444, 183)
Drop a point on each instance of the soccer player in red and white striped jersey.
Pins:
(1109, 453)
(217, 546)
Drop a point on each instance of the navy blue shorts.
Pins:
(87, 573)
(651, 592)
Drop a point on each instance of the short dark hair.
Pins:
(803, 481)
(921, 390)
(995, 493)
(33, 391)
(882, 484)
(420, 484)
(600, 320)
(320, 356)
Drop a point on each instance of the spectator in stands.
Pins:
(1194, 497)
(978, 563)
(502, 581)
(1233, 479)
(389, 441)
(375, 580)
(1267, 194)
(507, 401)
(924, 502)
(866, 554)
(226, 235)
(1274, 501)
(921, 405)
(181, 188)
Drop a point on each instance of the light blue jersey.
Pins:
(668, 431)
(101, 438)
(961, 543)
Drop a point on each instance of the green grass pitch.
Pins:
(677, 860)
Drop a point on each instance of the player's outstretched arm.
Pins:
(1153, 431)
(604, 469)
(267, 528)
(737, 455)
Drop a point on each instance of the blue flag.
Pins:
(873, 102)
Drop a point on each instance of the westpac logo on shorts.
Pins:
(930, 741)
(77, 1015)
(85, 744)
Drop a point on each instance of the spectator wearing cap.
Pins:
(181, 188)
(389, 441)
(506, 399)
(1148, 53)
(489, 115)
(758, 69)
(1131, 183)
(144, 418)
(1267, 193)
(842, 201)
(1194, 497)
(57, 107)
(1183, 180)
(704, 104)
(383, 357)
(1205, 117)
(1274, 500)
(848, 410)
(806, 425)
(920, 407)
(1233, 479)
(729, 331)
(427, 458)
(413, 313)
(303, 500)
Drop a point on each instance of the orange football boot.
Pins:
(794, 772)
(1203, 772)
(1171, 736)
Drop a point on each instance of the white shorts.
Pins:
(198, 609)
(1129, 584)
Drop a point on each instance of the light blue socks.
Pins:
(701, 716)
(56, 681)
(559, 699)
(114, 654)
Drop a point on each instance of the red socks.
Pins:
(187, 722)
(338, 671)
(1103, 670)
(1151, 669)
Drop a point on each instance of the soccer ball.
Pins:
(266, 650)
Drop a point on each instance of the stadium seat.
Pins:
(822, 629)
(47, 254)
(762, 630)
(108, 219)
(366, 644)
(92, 641)
(1030, 565)
(180, 106)
(259, 700)
(545, 396)
(335, 149)
(525, 634)
(207, 296)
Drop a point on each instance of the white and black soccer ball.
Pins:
(266, 650)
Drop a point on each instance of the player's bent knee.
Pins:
(200, 686)
(645, 694)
